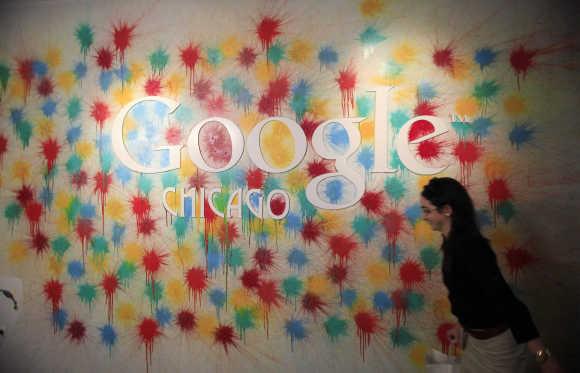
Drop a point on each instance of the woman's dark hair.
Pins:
(441, 191)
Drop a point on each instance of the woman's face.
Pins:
(438, 220)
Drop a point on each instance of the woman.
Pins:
(497, 324)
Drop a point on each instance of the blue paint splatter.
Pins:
(481, 127)
(327, 56)
(399, 254)
(49, 108)
(483, 218)
(163, 316)
(39, 68)
(293, 223)
(426, 91)
(123, 174)
(297, 259)
(295, 330)
(80, 70)
(300, 102)
(118, 234)
(348, 297)
(74, 164)
(334, 190)
(484, 57)
(337, 137)
(88, 211)
(218, 298)
(46, 196)
(521, 134)
(123, 73)
(108, 336)
(16, 116)
(214, 261)
(395, 188)
(461, 128)
(366, 157)
(413, 213)
(60, 318)
(105, 80)
(73, 134)
(145, 184)
(76, 270)
(382, 302)
(214, 56)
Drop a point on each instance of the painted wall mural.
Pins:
(234, 185)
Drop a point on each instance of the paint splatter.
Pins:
(190, 57)
(522, 60)
(26, 73)
(186, 321)
(53, 291)
(158, 61)
(367, 324)
(50, 150)
(342, 247)
(444, 58)
(267, 29)
(400, 305)
(103, 182)
(313, 304)
(411, 273)
(153, 87)
(264, 259)
(100, 113)
(152, 262)
(443, 336)
(122, 38)
(247, 57)
(84, 35)
(521, 134)
(467, 153)
(497, 192)
(518, 258)
(392, 222)
(485, 57)
(337, 273)
(317, 167)
(110, 284)
(45, 87)
(76, 331)
(197, 281)
(33, 212)
(104, 58)
(39, 243)
(148, 330)
(311, 231)
(226, 336)
(346, 83)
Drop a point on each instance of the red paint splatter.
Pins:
(227, 234)
(392, 222)
(50, 149)
(255, 178)
(146, 226)
(247, 57)
(400, 306)
(309, 126)
(215, 105)
(102, 183)
(196, 279)
(518, 258)
(45, 87)
(40, 243)
(267, 106)
(411, 273)
(373, 201)
(225, 335)
(467, 153)
(278, 91)
(342, 247)
(269, 295)
(26, 73)
(52, 291)
(76, 331)
(79, 179)
(521, 60)
(141, 207)
(443, 337)
(110, 284)
(498, 192)
(84, 230)
(267, 29)
(251, 279)
(346, 83)
(215, 144)
(33, 211)
(153, 86)
(420, 128)
(104, 58)
(152, 262)
(277, 205)
(429, 150)
(425, 108)
(24, 195)
(186, 321)
(311, 231)
(199, 180)
(337, 274)
(148, 330)
(122, 35)
(3, 147)
(445, 58)
(264, 259)
(190, 56)
(313, 304)
(367, 324)
(173, 135)
(202, 89)
(100, 113)
(317, 167)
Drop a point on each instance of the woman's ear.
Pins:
(447, 210)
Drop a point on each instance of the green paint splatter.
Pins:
(180, 227)
(73, 108)
(292, 287)
(462, 128)
(506, 210)
(84, 34)
(401, 337)
(364, 227)
(72, 210)
(12, 212)
(415, 301)
(235, 258)
(393, 69)
(158, 60)
(87, 293)
(371, 36)
(4, 76)
(485, 91)
(276, 53)
(74, 164)
(244, 320)
(396, 161)
(306, 208)
(231, 86)
(220, 201)
(106, 162)
(364, 106)
(169, 179)
(60, 245)
(99, 246)
(335, 327)
(214, 56)
(126, 272)
(395, 188)
(24, 132)
(399, 118)
(145, 184)
(154, 292)
(430, 258)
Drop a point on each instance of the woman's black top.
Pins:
(479, 295)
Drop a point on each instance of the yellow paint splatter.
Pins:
(123, 95)
(331, 222)
(300, 51)
(264, 71)
(85, 149)
(404, 53)
(371, 8)
(461, 69)
(183, 256)
(318, 284)
(187, 168)
(55, 266)
(66, 81)
(467, 107)
(388, 80)
(514, 105)
(62, 224)
(136, 72)
(495, 168)
(241, 298)
(378, 274)
(21, 170)
(417, 354)
(17, 252)
(175, 84)
(99, 263)
(126, 314)
(502, 238)
(423, 233)
(17, 89)
(360, 304)
(176, 292)
(230, 47)
(61, 200)
(45, 127)
(296, 180)
(133, 252)
(405, 95)
(53, 57)
(319, 108)
(442, 309)
(206, 325)
(115, 209)
(277, 144)
(367, 130)
(248, 121)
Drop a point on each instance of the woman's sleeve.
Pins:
(487, 275)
